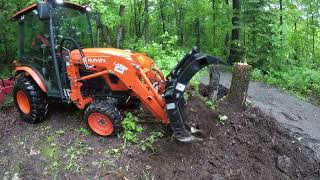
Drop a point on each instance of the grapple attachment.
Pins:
(178, 79)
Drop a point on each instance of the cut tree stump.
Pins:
(240, 83)
(213, 89)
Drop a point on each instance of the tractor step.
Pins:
(178, 79)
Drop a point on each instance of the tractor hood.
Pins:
(102, 52)
(100, 55)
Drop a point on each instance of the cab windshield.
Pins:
(72, 23)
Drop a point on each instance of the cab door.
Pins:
(35, 50)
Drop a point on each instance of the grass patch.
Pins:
(50, 151)
(74, 154)
(84, 131)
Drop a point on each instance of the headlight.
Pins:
(59, 1)
(88, 8)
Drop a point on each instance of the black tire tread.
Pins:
(37, 99)
(109, 108)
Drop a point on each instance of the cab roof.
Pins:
(34, 7)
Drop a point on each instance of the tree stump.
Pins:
(240, 84)
(213, 89)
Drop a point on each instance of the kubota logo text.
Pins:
(86, 62)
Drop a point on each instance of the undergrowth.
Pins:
(131, 128)
(131, 133)
(302, 82)
(5, 71)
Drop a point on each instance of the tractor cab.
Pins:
(42, 27)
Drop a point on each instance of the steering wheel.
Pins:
(71, 44)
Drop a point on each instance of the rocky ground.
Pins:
(239, 144)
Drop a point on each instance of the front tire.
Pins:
(30, 101)
(104, 118)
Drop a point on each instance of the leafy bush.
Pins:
(131, 128)
(5, 71)
(256, 74)
(165, 54)
(300, 81)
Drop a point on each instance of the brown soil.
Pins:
(249, 145)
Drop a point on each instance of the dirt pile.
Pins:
(249, 145)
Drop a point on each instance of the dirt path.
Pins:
(300, 117)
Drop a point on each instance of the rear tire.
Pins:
(30, 101)
(104, 118)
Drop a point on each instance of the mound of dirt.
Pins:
(249, 145)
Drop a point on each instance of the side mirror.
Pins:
(43, 10)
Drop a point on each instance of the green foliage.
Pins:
(74, 153)
(166, 53)
(169, 30)
(131, 128)
(256, 74)
(51, 153)
(60, 132)
(148, 143)
(114, 152)
(297, 80)
(102, 163)
(211, 104)
(84, 131)
(5, 71)
(223, 119)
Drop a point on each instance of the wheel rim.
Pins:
(23, 102)
(100, 124)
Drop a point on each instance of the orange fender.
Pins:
(34, 74)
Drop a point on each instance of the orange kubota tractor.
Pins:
(57, 62)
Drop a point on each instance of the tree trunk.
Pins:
(227, 45)
(198, 34)
(162, 16)
(281, 18)
(227, 39)
(120, 29)
(214, 82)
(240, 84)
(136, 29)
(235, 36)
(214, 22)
(146, 21)
(281, 8)
(109, 37)
(313, 35)
(179, 13)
